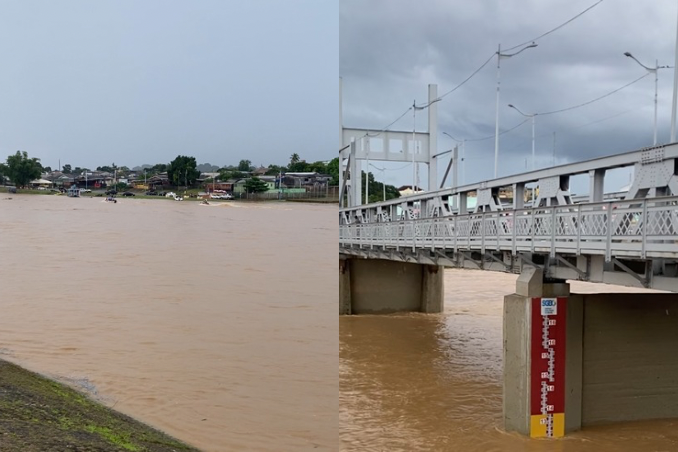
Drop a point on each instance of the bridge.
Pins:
(570, 360)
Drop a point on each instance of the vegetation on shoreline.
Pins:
(38, 414)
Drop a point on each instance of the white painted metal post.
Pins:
(414, 132)
(596, 185)
(675, 88)
(354, 178)
(341, 120)
(656, 82)
(432, 137)
(366, 143)
(496, 118)
(463, 162)
(455, 167)
(341, 143)
(533, 163)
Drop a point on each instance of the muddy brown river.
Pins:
(432, 382)
(215, 324)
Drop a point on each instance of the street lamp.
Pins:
(654, 70)
(528, 116)
(496, 119)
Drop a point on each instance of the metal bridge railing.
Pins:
(635, 228)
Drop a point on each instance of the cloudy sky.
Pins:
(390, 50)
(130, 82)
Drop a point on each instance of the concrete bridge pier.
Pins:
(377, 286)
(572, 360)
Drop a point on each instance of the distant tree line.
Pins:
(184, 170)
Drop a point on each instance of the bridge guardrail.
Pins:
(637, 228)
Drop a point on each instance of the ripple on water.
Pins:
(416, 382)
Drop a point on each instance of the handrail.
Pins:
(636, 228)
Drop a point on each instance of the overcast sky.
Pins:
(131, 82)
(390, 50)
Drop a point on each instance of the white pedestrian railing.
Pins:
(640, 229)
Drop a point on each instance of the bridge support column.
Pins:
(432, 288)
(376, 286)
(573, 360)
(344, 287)
(542, 357)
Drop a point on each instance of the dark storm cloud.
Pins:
(391, 49)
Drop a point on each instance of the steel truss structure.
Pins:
(631, 241)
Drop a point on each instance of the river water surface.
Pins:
(215, 324)
(432, 382)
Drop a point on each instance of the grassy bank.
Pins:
(37, 414)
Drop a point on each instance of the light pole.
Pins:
(496, 119)
(655, 71)
(675, 91)
(528, 116)
(383, 182)
(414, 128)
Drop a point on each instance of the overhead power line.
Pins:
(557, 28)
(428, 104)
(385, 129)
(500, 133)
(469, 77)
(594, 100)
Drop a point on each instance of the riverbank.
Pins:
(38, 414)
(314, 200)
(190, 195)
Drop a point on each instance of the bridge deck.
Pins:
(635, 229)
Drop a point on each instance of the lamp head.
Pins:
(511, 105)
(628, 54)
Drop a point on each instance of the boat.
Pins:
(111, 199)
(73, 192)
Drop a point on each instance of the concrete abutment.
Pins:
(377, 286)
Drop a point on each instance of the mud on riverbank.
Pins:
(37, 414)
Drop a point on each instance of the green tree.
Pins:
(333, 170)
(376, 192)
(157, 168)
(47, 169)
(255, 185)
(183, 170)
(106, 169)
(318, 167)
(66, 169)
(299, 167)
(245, 165)
(294, 159)
(21, 169)
(227, 174)
(274, 170)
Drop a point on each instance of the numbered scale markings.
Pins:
(547, 399)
